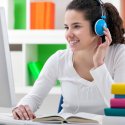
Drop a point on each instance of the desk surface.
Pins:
(7, 119)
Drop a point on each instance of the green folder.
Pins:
(20, 14)
(57, 83)
(34, 69)
(114, 112)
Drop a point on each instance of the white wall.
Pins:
(116, 3)
(61, 10)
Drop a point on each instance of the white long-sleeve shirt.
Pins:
(80, 95)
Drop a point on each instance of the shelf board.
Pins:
(37, 37)
(27, 89)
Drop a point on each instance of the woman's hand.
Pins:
(100, 53)
(23, 112)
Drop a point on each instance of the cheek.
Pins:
(85, 34)
(66, 36)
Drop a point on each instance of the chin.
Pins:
(74, 49)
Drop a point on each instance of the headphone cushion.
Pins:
(99, 27)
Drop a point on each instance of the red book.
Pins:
(117, 103)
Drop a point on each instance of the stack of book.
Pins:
(117, 104)
(42, 15)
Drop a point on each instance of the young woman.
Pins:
(87, 69)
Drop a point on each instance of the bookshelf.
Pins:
(25, 42)
(28, 41)
(59, 10)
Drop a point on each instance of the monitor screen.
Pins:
(7, 92)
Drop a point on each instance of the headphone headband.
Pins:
(103, 12)
(101, 23)
(100, 2)
(102, 9)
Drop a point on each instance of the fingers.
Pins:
(15, 115)
(29, 112)
(107, 35)
(101, 50)
(18, 114)
(23, 112)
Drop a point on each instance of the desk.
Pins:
(113, 120)
(7, 119)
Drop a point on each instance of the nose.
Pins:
(69, 33)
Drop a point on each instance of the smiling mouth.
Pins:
(72, 43)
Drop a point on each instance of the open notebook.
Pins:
(70, 118)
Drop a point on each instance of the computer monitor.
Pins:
(7, 91)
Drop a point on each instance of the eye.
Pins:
(76, 26)
(66, 27)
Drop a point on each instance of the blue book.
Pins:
(114, 112)
(119, 96)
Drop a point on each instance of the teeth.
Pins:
(73, 42)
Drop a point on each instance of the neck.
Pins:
(85, 56)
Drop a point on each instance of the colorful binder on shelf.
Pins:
(42, 15)
(37, 15)
(34, 69)
(57, 83)
(20, 14)
(32, 15)
(50, 15)
(117, 104)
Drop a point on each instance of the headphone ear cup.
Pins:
(99, 27)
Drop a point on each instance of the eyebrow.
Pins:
(73, 24)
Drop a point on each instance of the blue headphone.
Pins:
(101, 22)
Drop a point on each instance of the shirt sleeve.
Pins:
(103, 78)
(43, 84)
(119, 66)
